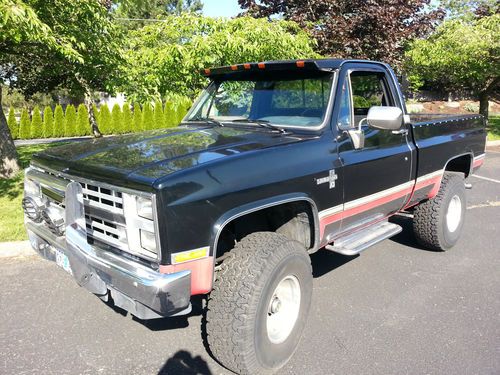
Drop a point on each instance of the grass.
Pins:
(494, 128)
(11, 195)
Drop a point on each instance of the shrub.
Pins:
(471, 107)
(82, 121)
(36, 130)
(116, 120)
(170, 114)
(24, 125)
(127, 118)
(48, 122)
(147, 117)
(159, 118)
(137, 118)
(12, 123)
(70, 121)
(58, 121)
(104, 119)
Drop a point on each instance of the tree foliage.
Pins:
(137, 117)
(12, 122)
(25, 125)
(117, 119)
(48, 122)
(376, 29)
(70, 121)
(167, 57)
(36, 130)
(461, 54)
(128, 119)
(147, 117)
(105, 119)
(82, 121)
(471, 8)
(58, 121)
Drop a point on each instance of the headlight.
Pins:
(145, 208)
(148, 240)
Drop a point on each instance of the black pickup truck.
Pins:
(274, 161)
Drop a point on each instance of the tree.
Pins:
(471, 8)
(168, 57)
(159, 118)
(58, 121)
(25, 125)
(36, 130)
(82, 121)
(13, 125)
(128, 119)
(377, 29)
(48, 122)
(105, 119)
(116, 120)
(147, 117)
(461, 54)
(70, 121)
(169, 114)
(137, 118)
(83, 54)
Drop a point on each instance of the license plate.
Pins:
(63, 261)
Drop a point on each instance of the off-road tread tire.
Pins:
(429, 219)
(233, 302)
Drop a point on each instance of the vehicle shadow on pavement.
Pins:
(324, 261)
(406, 236)
(184, 363)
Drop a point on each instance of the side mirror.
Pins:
(385, 118)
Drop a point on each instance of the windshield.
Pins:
(283, 102)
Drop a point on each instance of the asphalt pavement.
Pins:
(396, 309)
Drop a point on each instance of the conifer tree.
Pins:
(36, 130)
(169, 114)
(128, 120)
(104, 119)
(70, 121)
(48, 122)
(147, 117)
(24, 125)
(12, 123)
(58, 121)
(137, 118)
(159, 118)
(82, 121)
(116, 120)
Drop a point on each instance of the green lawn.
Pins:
(11, 194)
(494, 128)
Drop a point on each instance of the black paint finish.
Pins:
(204, 174)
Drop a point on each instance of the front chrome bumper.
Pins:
(134, 287)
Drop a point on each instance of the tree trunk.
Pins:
(483, 104)
(90, 109)
(10, 162)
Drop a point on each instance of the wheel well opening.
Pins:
(293, 219)
(460, 164)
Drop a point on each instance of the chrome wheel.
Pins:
(283, 309)
(454, 213)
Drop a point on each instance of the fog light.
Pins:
(32, 209)
(148, 241)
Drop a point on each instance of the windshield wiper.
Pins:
(262, 123)
(208, 120)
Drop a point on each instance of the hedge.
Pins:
(70, 122)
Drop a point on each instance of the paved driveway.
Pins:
(395, 309)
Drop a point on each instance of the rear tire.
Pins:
(438, 222)
(258, 308)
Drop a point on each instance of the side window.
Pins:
(345, 112)
(369, 89)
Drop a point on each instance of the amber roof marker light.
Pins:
(246, 66)
(300, 63)
(234, 67)
(206, 71)
(261, 65)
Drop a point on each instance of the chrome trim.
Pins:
(154, 294)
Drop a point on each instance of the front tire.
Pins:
(438, 222)
(258, 308)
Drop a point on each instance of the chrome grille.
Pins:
(104, 211)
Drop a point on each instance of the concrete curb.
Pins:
(492, 143)
(16, 249)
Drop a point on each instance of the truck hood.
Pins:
(142, 158)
